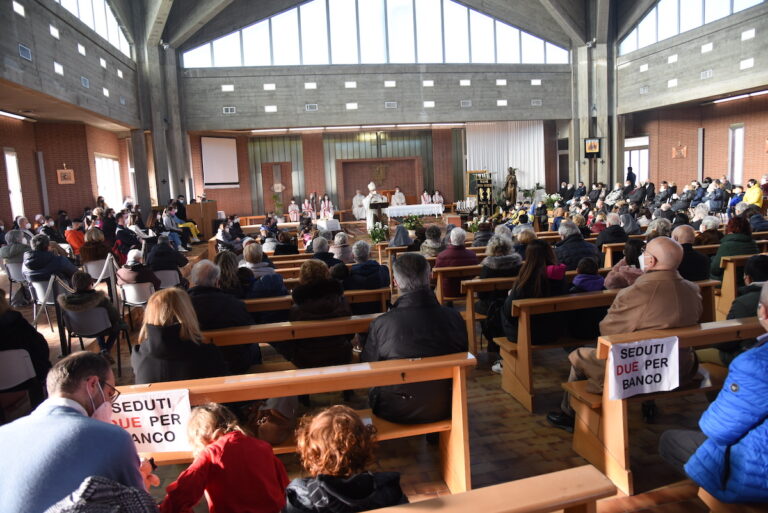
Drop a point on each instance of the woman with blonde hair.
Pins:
(235, 471)
(94, 248)
(171, 346)
(336, 447)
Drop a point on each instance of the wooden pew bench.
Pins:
(717, 506)
(575, 490)
(517, 370)
(460, 272)
(601, 433)
(454, 432)
(269, 304)
(733, 268)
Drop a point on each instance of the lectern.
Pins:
(377, 207)
(203, 214)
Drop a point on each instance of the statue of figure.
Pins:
(510, 187)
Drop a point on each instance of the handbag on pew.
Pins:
(270, 424)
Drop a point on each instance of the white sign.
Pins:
(157, 421)
(643, 367)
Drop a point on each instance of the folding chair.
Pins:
(89, 324)
(13, 270)
(15, 369)
(168, 279)
(38, 294)
(135, 295)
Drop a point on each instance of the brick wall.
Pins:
(314, 164)
(19, 136)
(234, 200)
(669, 127)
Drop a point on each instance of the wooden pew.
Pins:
(517, 371)
(352, 296)
(295, 330)
(733, 267)
(575, 490)
(601, 433)
(454, 432)
(471, 287)
(212, 248)
(716, 506)
(461, 272)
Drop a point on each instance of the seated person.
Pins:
(709, 231)
(522, 236)
(627, 270)
(75, 236)
(16, 246)
(433, 244)
(49, 229)
(365, 274)
(19, 334)
(95, 247)
(401, 237)
(227, 241)
(737, 241)
(172, 347)
(285, 245)
(234, 470)
(482, 235)
(613, 231)
(416, 326)
(341, 249)
(572, 248)
(69, 437)
(125, 237)
(320, 252)
(253, 259)
(229, 282)
(40, 264)
(84, 299)
(727, 457)
(163, 257)
(453, 256)
(420, 236)
(335, 447)
(501, 261)
(695, 265)
(317, 297)
(134, 271)
(584, 324)
(216, 309)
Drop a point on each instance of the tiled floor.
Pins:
(508, 443)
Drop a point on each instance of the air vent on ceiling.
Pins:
(310, 107)
(390, 105)
(536, 103)
(465, 104)
(229, 110)
(24, 52)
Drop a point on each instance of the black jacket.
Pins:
(694, 265)
(481, 239)
(610, 235)
(505, 266)
(164, 258)
(417, 326)
(745, 305)
(40, 265)
(128, 240)
(166, 357)
(286, 249)
(593, 196)
(19, 334)
(323, 299)
(328, 258)
(367, 275)
(88, 300)
(216, 310)
(573, 249)
(545, 328)
(327, 494)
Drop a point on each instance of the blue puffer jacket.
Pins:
(758, 223)
(736, 422)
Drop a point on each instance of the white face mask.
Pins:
(28, 226)
(642, 262)
(50, 223)
(104, 411)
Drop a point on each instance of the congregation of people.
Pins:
(70, 448)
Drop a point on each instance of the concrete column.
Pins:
(166, 185)
(178, 151)
(138, 148)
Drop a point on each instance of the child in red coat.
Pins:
(237, 472)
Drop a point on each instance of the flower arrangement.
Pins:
(550, 200)
(412, 222)
(474, 225)
(379, 233)
(529, 193)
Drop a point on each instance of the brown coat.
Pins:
(657, 300)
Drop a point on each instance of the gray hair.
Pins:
(14, 237)
(164, 239)
(433, 232)
(205, 274)
(660, 226)
(40, 242)
(701, 211)
(361, 250)
(764, 295)
(741, 207)
(568, 228)
(411, 271)
(710, 223)
(320, 245)
(340, 239)
(327, 235)
(518, 229)
(133, 257)
(498, 245)
(613, 219)
(458, 236)
(503, 231)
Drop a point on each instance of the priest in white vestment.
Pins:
(358, 209)
(373, 197)
(398, 198)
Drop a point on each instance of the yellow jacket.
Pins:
(754, 195)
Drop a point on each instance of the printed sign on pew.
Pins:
(157, 421)
(643, 367)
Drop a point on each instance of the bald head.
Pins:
(665, 254)
(684, 234)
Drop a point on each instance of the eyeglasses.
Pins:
(114, 393)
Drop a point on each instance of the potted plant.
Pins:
(412, 222)
(379, 233)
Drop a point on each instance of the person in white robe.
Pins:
(358, 210)
(426, 198)
(437, 198)
(307, 210)
(373, 197)
(398, 198)
(294, 212)
(326, 208)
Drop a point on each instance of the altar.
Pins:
(418, 210)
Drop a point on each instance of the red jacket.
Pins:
(76, 239)
(239, 474)
(454, 256)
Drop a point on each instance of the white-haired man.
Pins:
(613, 232)
(455, 255)
(573, 247)
(134, 271)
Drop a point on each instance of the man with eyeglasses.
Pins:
(69, 437)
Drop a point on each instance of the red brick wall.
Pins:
(19, 136)
(232, 201)
(670, 127)
(442, 163)
(314, 164)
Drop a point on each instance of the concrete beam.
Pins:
(570, 16)
(633, 11)
(602, 17)
(195, 20)
(157, 15)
